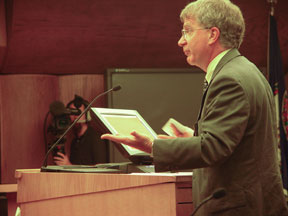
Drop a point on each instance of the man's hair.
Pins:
(223, 14)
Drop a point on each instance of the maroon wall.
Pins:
(3, 33)
(64, 37)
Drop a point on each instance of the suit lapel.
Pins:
(226, 58)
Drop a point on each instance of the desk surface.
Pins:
(8, 188)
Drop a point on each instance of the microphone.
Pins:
(116, 88)
(221, 192)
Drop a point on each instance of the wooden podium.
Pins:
(156, 194)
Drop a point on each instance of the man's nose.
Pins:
(182, 41)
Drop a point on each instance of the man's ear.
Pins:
(214, 35)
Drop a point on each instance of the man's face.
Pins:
(194, 41)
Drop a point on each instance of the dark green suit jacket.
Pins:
(236, 146)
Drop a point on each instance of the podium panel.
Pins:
(104, 194)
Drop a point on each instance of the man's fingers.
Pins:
(162, 136)
(108, 136)
(114, 138)
(137, 135)
(60, 154)
(58, 158)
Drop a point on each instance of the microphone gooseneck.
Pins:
(116, 88)
(221, 192)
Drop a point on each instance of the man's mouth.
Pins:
(186, 52)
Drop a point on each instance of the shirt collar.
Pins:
(212, 65)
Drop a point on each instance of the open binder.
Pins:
(124, 121)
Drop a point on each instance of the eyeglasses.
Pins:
(185, 33)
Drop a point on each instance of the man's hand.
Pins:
(185, 131)
(135, 140)
(62, 159)
(175, 129)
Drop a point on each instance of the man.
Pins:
(86, 147)
(234, 146)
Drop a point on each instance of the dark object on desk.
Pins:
(125, 167)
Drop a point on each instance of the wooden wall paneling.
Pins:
(3, 34)
(84, 85)
(24, 101)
